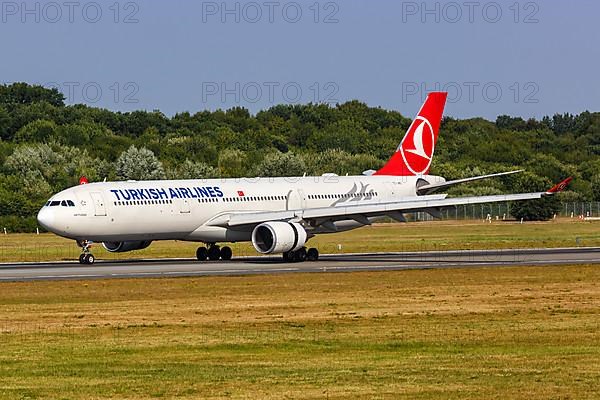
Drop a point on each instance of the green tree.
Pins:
(339, 162)
(5, 123)
(192, 170)
(345, 135)
(82, 133)
(23, 93)
(596, 187)
(281, 164)
(232, 163)
(139, 164)
(534, 210)
(36, 131)
(58, 166)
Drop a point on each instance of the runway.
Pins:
(272, 265)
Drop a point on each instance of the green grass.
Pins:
(420, 236)
(518, 333)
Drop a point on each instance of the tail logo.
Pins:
(418, 158)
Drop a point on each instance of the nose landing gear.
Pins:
(86, 257)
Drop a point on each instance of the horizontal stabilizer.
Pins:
(434, 187)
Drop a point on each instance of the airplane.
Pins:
(278, 215)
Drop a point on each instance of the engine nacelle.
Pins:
(278, 237)
(121, 247)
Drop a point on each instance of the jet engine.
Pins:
(121, 247)
(278, 237)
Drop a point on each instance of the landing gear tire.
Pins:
(312, 254)
(226, 253)
(87, 258)
(300, 255)
(202, 253)
(288, 256)
(214, 253)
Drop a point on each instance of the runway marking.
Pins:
(271, 265)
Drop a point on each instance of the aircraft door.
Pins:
(296, 199)
(99, 207)
(185, 206)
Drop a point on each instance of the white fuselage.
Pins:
(183, 209)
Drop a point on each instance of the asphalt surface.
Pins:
(327, 263)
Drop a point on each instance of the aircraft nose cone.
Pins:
(46, 218)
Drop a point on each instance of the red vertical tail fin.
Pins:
(415, 152)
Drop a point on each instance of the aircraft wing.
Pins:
(428, 203)
(429, 188)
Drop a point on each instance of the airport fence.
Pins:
(502, 211)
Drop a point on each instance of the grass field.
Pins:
(505, 333)
(437, 235)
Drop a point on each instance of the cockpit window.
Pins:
(63, 203)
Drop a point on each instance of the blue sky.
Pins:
(521, 58)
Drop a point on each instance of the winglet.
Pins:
(559, 187)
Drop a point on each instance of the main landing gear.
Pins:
(213, 253)
(86, 257)
(301, 254)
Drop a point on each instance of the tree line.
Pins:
(46, 145)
